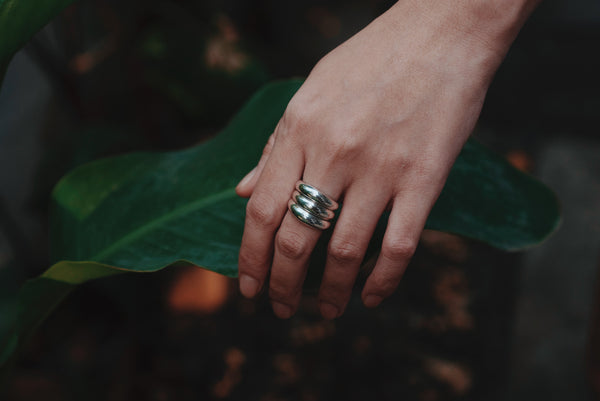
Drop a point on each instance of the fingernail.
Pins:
(282, 311)
(372, 301)
(248, 286)
(247, 178)
(329, 311)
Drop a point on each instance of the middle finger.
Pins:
(364, 205)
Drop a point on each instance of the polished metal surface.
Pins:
(312, 206)
(314, 194)
(307, 218)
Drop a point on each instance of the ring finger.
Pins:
(294, 244)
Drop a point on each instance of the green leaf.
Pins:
(145, 211)
(487, 199)
(20, 20)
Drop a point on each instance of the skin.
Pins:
(377, 124)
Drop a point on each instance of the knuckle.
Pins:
(385, 284)
(335, 292)
(421, 168)
(344, 252)
(342, 145)
(340, 150)
(251, 263)
(424, 170)
(399, 250)
(260, 210)
(291, 245)
(280, 292)
(277, 291)
(403, 162)
(295, 119)
(337, 141)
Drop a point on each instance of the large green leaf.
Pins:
(20, 20)
(144, 211)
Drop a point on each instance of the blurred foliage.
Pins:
(202, 79)
(138, 76)
(20, 20)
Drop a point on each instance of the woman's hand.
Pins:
(377, 124)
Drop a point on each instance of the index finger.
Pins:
(265, 211)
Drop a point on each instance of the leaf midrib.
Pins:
(151, 225)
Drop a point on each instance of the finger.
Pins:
(245, 187)
(264, 213)
(405, 224)
(348, 246)
(294, 244)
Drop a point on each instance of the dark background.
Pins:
(468, 322)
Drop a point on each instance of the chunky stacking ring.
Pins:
(306, 217)
(311, 206)
(315, 194)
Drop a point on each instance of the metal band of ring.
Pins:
(312, 206)
(313, 193)
(306, 217)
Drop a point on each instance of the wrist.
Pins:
(495, 22)
(498, 20)
(485, 29)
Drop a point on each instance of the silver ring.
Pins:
(316, 195)
(312, 206)
(306, 217)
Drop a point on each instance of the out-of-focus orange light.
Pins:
(198, 291)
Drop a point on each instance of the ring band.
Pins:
(314, 194)
(306, 217)
(312, 206)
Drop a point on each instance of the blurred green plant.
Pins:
(204, 79)
(19, 20)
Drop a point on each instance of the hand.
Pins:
(377, 124)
